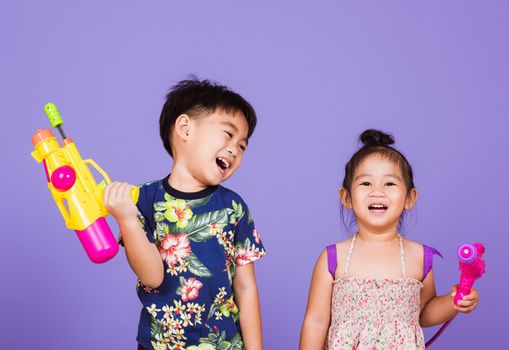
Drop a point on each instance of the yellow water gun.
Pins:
(73, 187)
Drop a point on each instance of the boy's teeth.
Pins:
(223, 162)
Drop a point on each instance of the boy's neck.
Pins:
(184, 182)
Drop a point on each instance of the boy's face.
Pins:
(214, 147)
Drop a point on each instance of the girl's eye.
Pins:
(242, 147)
(365, 183)
(390, 184)
(228, 133)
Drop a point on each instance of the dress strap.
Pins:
(350, 250)
(332, 261)
(402, 253)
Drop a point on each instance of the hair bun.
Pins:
(372, 137)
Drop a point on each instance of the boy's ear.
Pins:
(411, 198)
(345, 198)
(182, 126)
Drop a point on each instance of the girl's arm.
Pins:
(317, 318)
(439, 309)
(246, 298)
(143, 256)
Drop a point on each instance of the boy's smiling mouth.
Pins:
(222, 163)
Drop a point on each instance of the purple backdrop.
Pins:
(433, 73)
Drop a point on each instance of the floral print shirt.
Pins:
(201, 238)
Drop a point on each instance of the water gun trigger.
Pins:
(101, 185)
(135, 191)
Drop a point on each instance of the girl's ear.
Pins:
(345, 198)
(182, 126)
(411, 198)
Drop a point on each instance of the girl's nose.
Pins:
(377, 193)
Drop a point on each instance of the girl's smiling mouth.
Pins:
(377, 208)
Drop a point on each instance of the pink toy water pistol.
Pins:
(472, 267)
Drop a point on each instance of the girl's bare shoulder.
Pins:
(414, 253)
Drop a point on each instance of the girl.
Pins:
(375, 290)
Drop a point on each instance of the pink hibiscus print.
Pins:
(174, 249)
(190, 288)
(244, 256)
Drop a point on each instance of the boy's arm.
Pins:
(439, 309)
(143, 256)
(317, 319)
(246, 298)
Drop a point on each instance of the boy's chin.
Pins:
(214, 178)
(222, 177)
(215, 181)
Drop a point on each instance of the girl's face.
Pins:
(378, 195)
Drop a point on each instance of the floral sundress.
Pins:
(374, 314)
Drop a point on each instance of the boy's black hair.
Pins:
(196, 97)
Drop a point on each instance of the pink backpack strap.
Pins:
(428, 264)
(332, 261)
(428, 259)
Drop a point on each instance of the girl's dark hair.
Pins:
(377, 142)
(199, 97)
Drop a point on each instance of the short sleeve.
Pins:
(247, 240)
(429, 252)
(144, 212)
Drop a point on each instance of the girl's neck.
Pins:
(377, 234)
(377, 237)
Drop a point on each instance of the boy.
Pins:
(190, 241)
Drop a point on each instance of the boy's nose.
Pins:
(232, 151)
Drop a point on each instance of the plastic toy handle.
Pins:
(135, 191)
(464, 288)
(472, 267)
(99, 169)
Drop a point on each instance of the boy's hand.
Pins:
(117, 199)
(469, 301)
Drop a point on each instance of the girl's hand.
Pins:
(117, 199)
(469, 301)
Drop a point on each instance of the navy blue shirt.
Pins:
(201, 237)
